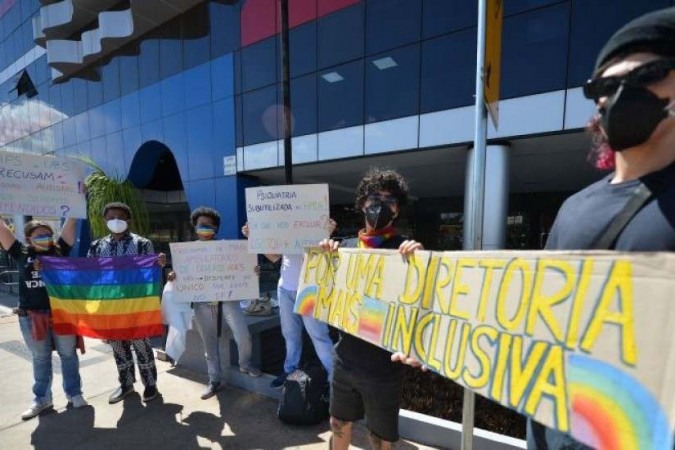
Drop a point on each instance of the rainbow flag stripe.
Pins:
(104, 298)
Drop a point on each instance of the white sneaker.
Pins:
(35, 409)
(77, 401)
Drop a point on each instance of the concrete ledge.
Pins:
(442, 433)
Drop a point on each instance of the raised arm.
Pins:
(69, 231)
(7, 238)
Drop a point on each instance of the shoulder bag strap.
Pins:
(641, 196)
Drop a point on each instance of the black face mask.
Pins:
(378, 215)
(630, 117)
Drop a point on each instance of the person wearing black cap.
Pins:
(633, 208)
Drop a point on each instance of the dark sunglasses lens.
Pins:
(648, 74)
(601, 87)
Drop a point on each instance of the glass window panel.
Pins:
(391, 24)
(112, 112)
(588, 34)
(200, 141)
(67, 99)
(128, 74)
(341, 96)
(224, 28)
(221, 76)
(534, 51)
(303, 105)
(237, 71)
(110, 77)
(259, 64)
(518, 6)
(80, 98)
(239, 121)
(171, 52)
(173, 94)
(94, 93)
(260, 113)
(197, 89)
(148, 62)
(302, 43)
(393, 84)
(443, 16)
(341, 36)
(131, 116)
(97, 121)
(196, 38)
(448, 71)
(82, 126)
(151, 103)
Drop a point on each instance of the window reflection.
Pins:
(341, 96)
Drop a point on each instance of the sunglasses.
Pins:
(42, 238)
(641, 76)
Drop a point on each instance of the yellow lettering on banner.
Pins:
(420, 329)
(404, 325)
(350, 321)
(513, 266)
(446, 264)
(481, 379)
(541, 304)
(521, 372)
(619, 287)
(387, 324)
(324, 301)
(313, 256)
(462, 343)
(374, 280)
(503, 352)
(489, 265)
(459, 288)
(337, 307)
(551, 382)
(432, 273)
(578, 303)
(432, 361)
(414, 282)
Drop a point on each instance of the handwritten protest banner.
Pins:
(209, 271)
(286, 219)
(41, 186)
(580, 341)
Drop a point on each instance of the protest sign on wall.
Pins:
(41, 186)
(580, 341)
(210, 271)
(286, 219)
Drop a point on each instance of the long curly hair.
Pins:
(382, 179)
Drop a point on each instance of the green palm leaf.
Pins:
(102, 189)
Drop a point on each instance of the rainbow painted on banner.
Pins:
(372, 314)
(611, 410)
(306, 301)
(104, 298)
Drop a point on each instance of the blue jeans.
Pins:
(291, 328)
(42, 362)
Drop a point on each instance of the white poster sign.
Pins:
(286, 219)
(41, 186)
(209, 271)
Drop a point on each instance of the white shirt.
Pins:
(290, 271)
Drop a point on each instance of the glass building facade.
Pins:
(369, 79)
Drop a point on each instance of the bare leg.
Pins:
(380, 444)
(342, 434)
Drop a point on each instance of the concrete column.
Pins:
(496, 197)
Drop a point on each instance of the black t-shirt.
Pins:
(586, 215)
(32, 292)
(362, 356)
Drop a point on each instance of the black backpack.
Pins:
(304, 396)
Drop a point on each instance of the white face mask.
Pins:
(117, 226)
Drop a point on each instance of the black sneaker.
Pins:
(278, 382)
(150, 393)
(210, 390)
(120, 393)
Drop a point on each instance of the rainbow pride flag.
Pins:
(104, 298)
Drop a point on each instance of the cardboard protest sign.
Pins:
(580, 341)
(209, 271)
(286, 219)
(41, 186)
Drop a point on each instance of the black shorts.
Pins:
(354, 395)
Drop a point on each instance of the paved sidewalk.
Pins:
(234, 419)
